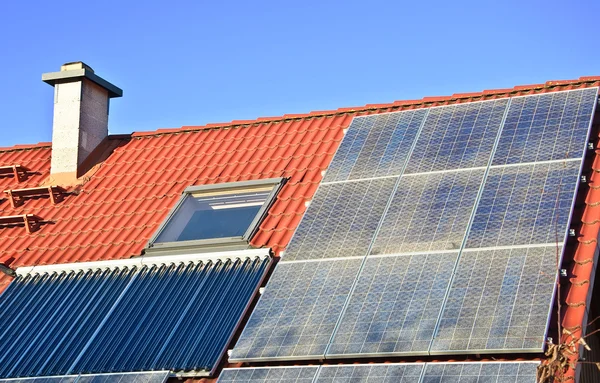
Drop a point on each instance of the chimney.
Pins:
(80, 123)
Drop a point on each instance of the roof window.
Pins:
(217, 215)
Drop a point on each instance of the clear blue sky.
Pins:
(196, 62)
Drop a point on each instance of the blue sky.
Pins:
(196, 62)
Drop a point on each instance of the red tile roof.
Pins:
(121, 205)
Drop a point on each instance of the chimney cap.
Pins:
(75, 71)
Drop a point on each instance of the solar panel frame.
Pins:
(297, 313)
(480, 372)
(290, 374)
(128, 377)
(525, 204)
(499, 301)
(371, 373)
(394, 307)
(425, 216)
(533, 132)
(341, 220)
(457, 136)
(390, 134)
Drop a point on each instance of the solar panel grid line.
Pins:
(559, 161)
(444, 171)
(511, 247)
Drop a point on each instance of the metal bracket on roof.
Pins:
(7, 270)
(145, 261)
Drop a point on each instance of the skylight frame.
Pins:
(215, 189)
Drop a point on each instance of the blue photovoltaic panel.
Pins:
(543, 127)
(50, 317)
(371, 373)
(375, 146)
(499, 300)
(177, 317)
(429, 212)
(457, 136)
(268, 375)
(65, 322)
(480, 372)
(296, 315)
(525, 204)
(341, 220)
(395, 306)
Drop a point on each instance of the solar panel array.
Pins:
(472, 183)
(121, 319)
(452, 372)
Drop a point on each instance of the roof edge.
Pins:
(552, 86)
(39, 145)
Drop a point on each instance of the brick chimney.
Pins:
(80, 123)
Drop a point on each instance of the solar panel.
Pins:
(341, 220)
(375, 146)
(544, 127)
(50, 317)
(527, 204)
(268, 375)
(297, 313)
(133, 377)
(457, 136)
(163, 306)
(499, 300)
(480, 372)
(394, 308)
(64, 322)
(371, 373)
(429, 212)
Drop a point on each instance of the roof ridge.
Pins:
(488, 94)
(17, 147)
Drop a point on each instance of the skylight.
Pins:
(218, 214)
